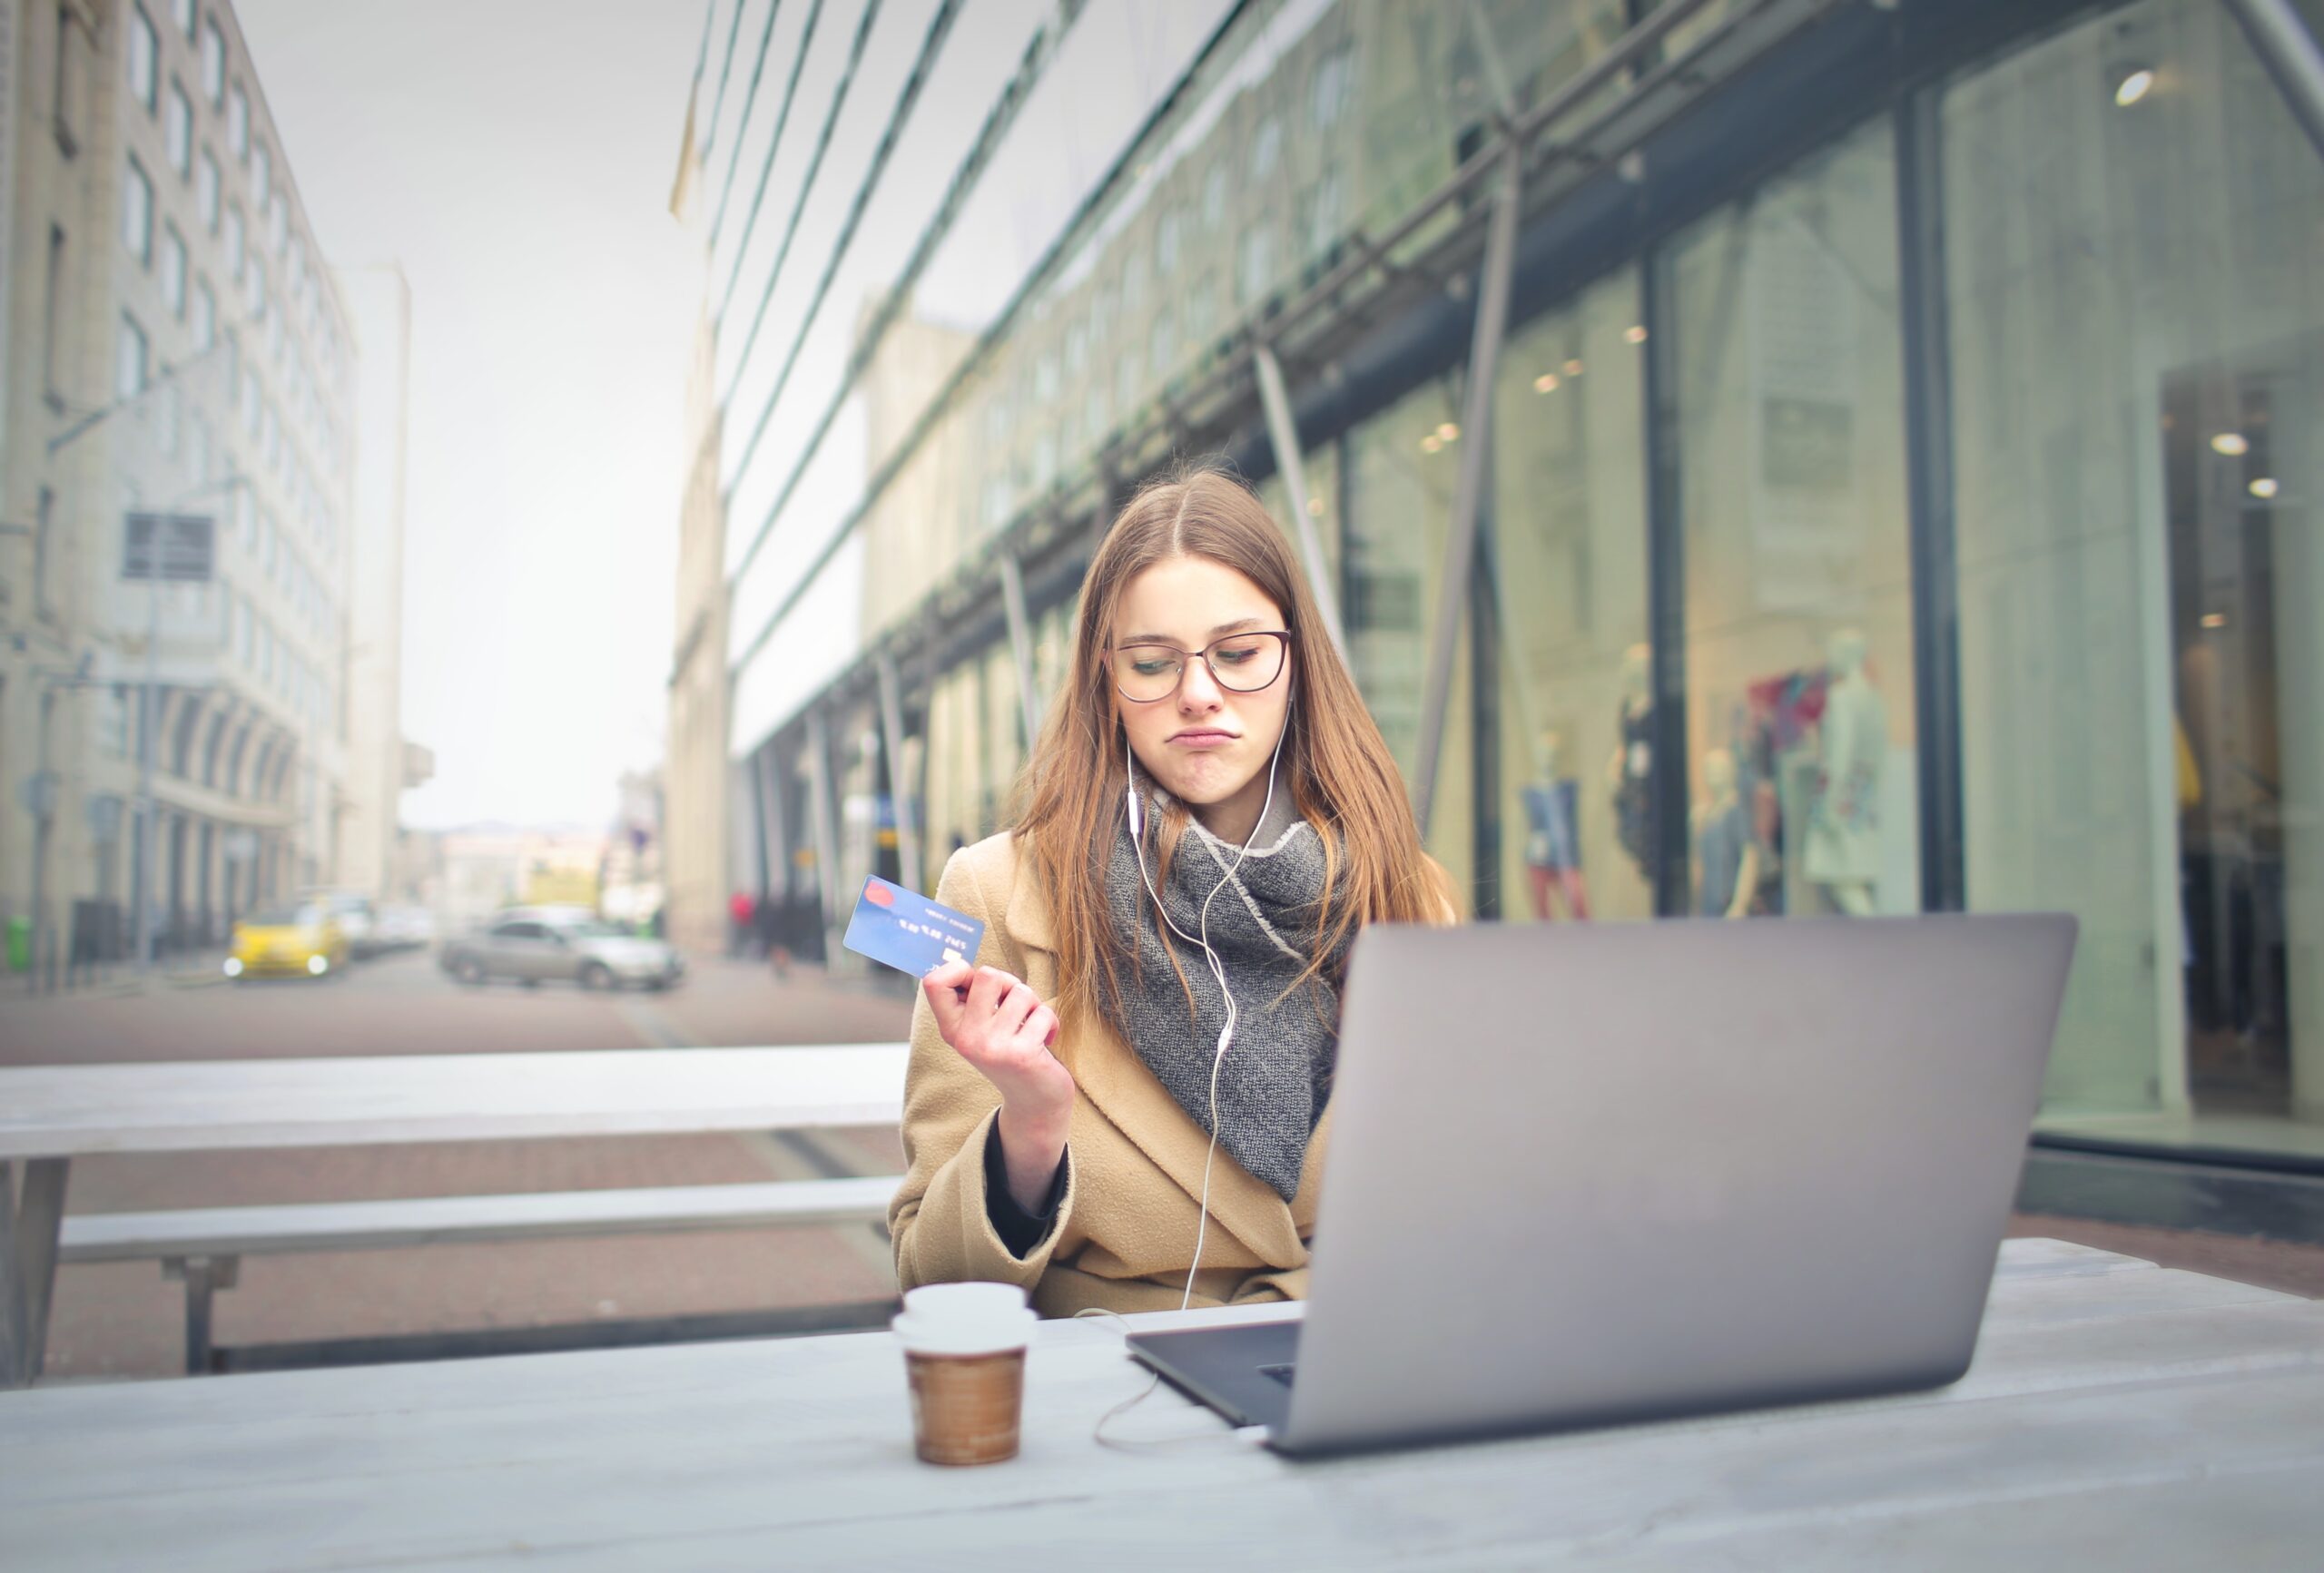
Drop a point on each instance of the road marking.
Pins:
(654, 1029)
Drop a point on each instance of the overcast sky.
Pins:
(515, 158)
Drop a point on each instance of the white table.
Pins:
(50, 1115)
(2118, 1415)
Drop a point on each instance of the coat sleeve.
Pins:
(940, 1218)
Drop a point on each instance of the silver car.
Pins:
(535, 945)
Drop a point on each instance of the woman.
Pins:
(1076, 1095)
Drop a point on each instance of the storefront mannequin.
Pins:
(1726, 854)
(1630, 772)
(1552, 840)
(1844, 822)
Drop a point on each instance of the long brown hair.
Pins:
(1343, 780)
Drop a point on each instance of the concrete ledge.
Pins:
(2171, 1193)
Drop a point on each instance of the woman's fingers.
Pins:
(985, 992)
(1020, 1003)
(1041, 1026)
(942, 984)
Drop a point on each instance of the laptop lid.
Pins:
(1591, 1173)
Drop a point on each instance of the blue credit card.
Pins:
(904, 929)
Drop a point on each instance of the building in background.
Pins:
(1894, 485)
(698, 855)
(176, 346)
(377, 300)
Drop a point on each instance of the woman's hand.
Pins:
(1000, 1027)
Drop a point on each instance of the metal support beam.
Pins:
(1020, 642)
(826, 814)
(900, 785)
(1928, 453)
(2285, 46)
(1669, 865)
(28, 1266)
(1476, 431)
(1284, 433)
(11, 1288)
(202, 1276)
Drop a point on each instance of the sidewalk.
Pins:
(122, 980)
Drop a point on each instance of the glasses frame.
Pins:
(1187, 658)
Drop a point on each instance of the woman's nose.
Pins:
(1196, 690)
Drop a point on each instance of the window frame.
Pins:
(177, 128)
(208, 189)
(213, 62)
(238, 123)
(137, 181)
(174, 278)
(141, 27)
(130, 332)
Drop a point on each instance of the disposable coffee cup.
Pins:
(964, 1354)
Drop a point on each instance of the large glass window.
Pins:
(1787, 388)
(1570, 614)
(2137, 351)
(205, 189)
(1404, 465)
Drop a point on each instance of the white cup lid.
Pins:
(964, 1319)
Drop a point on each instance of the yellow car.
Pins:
(287, 942)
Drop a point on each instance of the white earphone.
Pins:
(1217, 969)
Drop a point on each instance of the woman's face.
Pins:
(1208, 745)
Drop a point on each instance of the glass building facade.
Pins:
(1901, 495)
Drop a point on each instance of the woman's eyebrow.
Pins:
(1215, 632)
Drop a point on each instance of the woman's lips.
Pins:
(1202, 739)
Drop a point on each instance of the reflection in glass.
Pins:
(1569, 614)
(1398, 508)
(2137, 345)
(1786, 367)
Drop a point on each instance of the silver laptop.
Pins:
(1586, 1174)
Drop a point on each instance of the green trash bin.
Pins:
(20, 945)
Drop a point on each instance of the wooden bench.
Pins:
(52, 1113)
(204, 1245)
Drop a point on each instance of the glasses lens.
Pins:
(1248, 662)
(1146, 671)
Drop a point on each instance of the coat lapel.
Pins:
(1117, 1083)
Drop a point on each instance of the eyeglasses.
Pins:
(1240, 664)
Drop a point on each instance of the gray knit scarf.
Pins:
(1277, 1072)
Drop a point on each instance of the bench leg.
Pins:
(28, 1266)
(204, 1275)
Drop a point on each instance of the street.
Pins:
(115, 1321)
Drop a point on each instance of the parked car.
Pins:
(405, 928)
(358, 920)
(301, 942)
(535, 945)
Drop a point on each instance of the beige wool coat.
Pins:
(1125, 1228)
